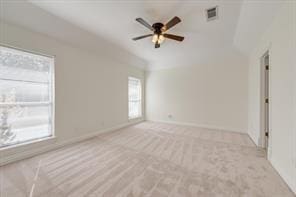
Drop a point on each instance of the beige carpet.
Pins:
(149, 159)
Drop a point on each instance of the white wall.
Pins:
(210, 95)
(91, 92)
(280, 40)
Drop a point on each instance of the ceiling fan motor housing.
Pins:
(157, 28)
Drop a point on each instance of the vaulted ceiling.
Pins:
(235, 30)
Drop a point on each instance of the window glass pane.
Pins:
(23, 91)
(34, 123)
(134, 93)
(25, 96)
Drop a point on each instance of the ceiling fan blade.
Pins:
(157, 45)
(141, 37)
(146, 24)
(174, 21)
(174, 37)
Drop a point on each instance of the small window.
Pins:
(134, 98)
(26, 96)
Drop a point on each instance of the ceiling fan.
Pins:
(159, 30)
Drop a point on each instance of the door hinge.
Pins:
(266, 100)
(266, 134)
(266, 67)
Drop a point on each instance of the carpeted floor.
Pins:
(149, 159)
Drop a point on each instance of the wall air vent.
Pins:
(212, 13)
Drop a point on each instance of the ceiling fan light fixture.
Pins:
(155, 38)
(159, 31)
(158, 38)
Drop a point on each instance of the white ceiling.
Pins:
(254, 20)
(114, 21)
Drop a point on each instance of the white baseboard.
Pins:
(286, 177)
(254, 138)
(200, 125)
(52, 145)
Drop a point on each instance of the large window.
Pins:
(134, 98)
(26, 96)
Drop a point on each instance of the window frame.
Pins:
(51, 102)
(141, 96)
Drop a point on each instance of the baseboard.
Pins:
(253, 138)
(199, 125)
(53, 146)
(288, 179)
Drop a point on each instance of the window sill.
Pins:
(31, 142)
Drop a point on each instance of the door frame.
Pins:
(265, 105)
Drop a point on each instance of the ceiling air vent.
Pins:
(212, 13)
